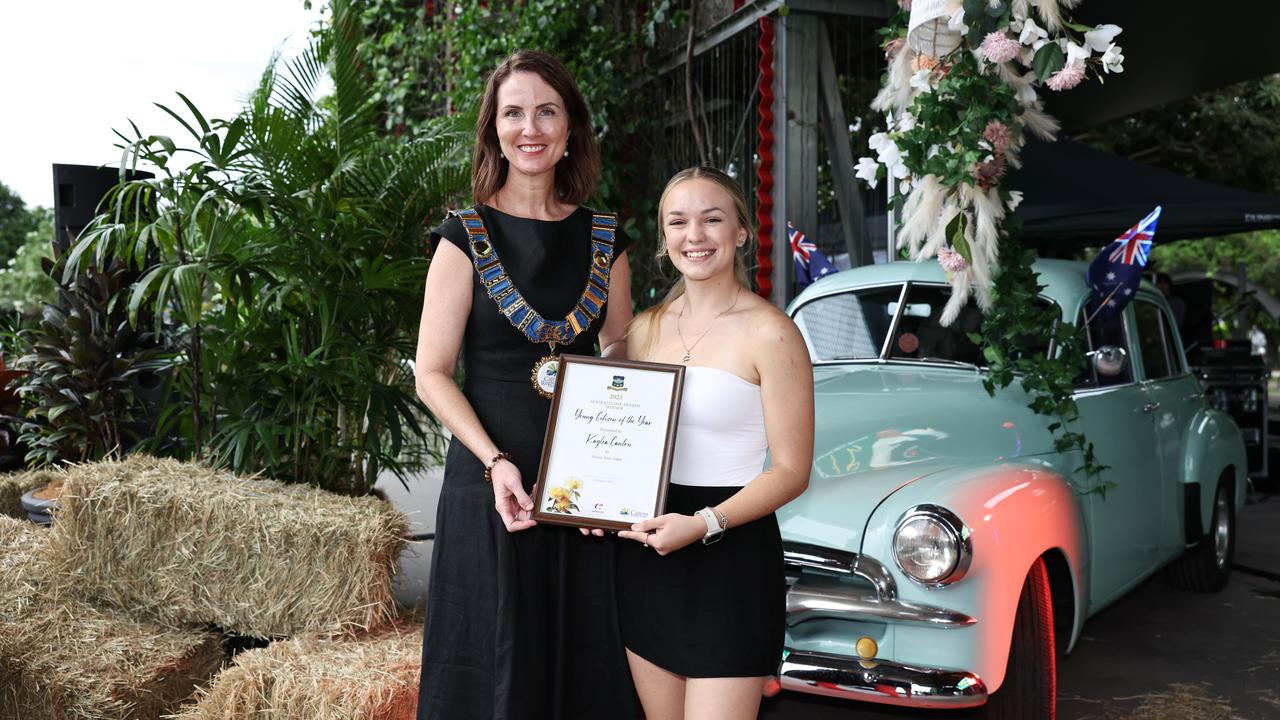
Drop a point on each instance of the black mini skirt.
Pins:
(706, 610)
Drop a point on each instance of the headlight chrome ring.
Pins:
(932, 546)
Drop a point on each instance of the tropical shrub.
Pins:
(288, 259)
(84, 366)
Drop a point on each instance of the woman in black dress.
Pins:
(521, 619)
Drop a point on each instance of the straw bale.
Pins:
(316, 678)
(14, 485)
(184, 544)
(66, 660)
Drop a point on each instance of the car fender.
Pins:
(1014, 514)
(1214, 443)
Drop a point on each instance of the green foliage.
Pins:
(423, 66)
(1014, 334)
(1229, 136)
(1258, 252)
(83, 363)
(15, 222)
(24, 285)
(957, 113)
(288, 259)
(948, 140)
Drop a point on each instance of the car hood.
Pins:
(882, 426)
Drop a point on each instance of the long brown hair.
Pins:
(576, 175)
(734, 190)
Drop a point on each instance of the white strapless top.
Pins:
(720, 440)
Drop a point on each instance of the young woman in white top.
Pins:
(701, 588)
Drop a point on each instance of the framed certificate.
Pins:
(606, 460)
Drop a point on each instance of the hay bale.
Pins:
(14, 485)
(315, 678)
(184, 544)
(66, 660)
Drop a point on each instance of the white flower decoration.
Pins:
(888, 153)
(1076, 53)
(1113, 59)
(1015, 199)
(865, 170)
(1101, 37)
(1033, 35)
(920, 81)
(898, 168)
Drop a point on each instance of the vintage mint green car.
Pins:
(944, 553)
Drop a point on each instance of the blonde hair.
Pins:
(649, 318)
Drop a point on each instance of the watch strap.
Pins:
(714, 523)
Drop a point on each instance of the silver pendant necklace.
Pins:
(688, 349)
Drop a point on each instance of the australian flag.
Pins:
(1114, 275)
(811, 264)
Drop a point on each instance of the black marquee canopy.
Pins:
(1078, 196)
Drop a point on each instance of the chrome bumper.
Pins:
(879, 682)
(810, 598)
(810, 603)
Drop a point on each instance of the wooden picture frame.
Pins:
(610, 441)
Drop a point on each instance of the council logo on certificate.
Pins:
(607, 455)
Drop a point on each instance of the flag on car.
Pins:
(811, 264)
(1114, 275)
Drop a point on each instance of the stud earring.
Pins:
(566, 152)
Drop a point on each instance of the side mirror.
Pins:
(1109, 360)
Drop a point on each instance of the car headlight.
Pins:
(932, 546)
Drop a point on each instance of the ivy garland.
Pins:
(957, 119)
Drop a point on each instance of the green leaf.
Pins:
(955, 232)
(1048, 60)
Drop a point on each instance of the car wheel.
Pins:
(1031, 676)
(1207, 566)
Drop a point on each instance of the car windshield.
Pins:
(854, 325)
(850, 325)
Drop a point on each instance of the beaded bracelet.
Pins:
(488, 469)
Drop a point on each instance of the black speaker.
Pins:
(77, 190)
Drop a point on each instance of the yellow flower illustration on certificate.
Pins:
(564, 498)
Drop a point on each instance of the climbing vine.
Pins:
(961, 95)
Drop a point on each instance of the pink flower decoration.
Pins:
(999, 47)
(997, 133)
(905, 4)
(893, 47)
(952, 261)
(1066, 78)
(988, 174)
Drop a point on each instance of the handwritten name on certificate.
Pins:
(607, 455)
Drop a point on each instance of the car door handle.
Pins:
(1193, 396)
(1150, 406)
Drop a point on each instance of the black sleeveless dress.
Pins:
(519, 625)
